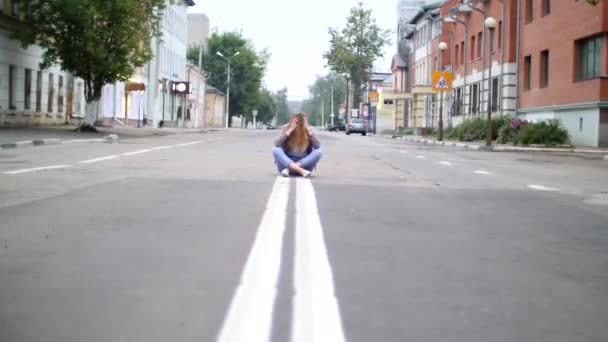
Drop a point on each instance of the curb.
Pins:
(501, 148)
(53, 141)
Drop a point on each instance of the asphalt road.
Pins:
(194, 238)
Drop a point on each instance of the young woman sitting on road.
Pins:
(297, 150)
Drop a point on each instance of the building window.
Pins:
(39, 91)
(495, 89)
(472, 48)
(492, 42)
(479, 41)
(12, 79)
(27, 95)
(589, 57)
(527, 72)
(529, 11)
(437, 64)
(60, 95)
(546, 7)
(458, 102)
(462, 51)
(544, 68)
(499, 41)
(474, 98)
(51, 93)
(456, 55)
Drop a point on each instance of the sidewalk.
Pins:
(601, 152)
(16, 137)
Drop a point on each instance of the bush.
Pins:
(429, 131)
(549, 132)
(507, 133)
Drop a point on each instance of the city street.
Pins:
(194, 237)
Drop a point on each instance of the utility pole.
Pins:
(229, 62)
(490, 24)
(322, 111)
(198, 87)
(442, 47)
(331, 111)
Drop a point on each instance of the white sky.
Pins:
(295, 32)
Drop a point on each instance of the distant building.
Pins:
(215, 104)
(407, 9)
(198, 29)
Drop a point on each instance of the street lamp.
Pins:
(229, 61)
(451, 18)
(490, 24)
(442, 47)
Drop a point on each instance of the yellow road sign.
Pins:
(442, 81)
(373, 97)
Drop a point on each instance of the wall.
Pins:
(12, 53)
(573, 20)
(570, 119)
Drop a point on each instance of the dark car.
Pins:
(340, 126)
(357, 126)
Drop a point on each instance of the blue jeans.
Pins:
(308, 162)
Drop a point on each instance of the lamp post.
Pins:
(442, 47)
(490, 24)
(453, 19)
(228, 61)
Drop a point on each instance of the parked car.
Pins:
(339, 126)
(357, 126)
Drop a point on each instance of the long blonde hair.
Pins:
(298, 140)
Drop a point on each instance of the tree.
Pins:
(248, 69)
(99, 41)
(266, 106)
(282, 106)
(353, 50)
(320, 92)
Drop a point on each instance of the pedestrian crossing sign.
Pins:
(442, 81)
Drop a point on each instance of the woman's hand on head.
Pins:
(293, 124)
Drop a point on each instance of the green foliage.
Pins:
(99, 41)
(248, 69)
(282, 112)
(475, 129)
(266, 106)
(353, 50)
(549, 132)
(320, 92)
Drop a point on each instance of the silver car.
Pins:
(356, 126)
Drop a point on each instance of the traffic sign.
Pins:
(442, 81)
(374, 97)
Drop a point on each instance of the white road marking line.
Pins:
(162, 147)
(482, 172)
(98, 159)
(250, 315)
(136, 152)
(42, 168)
(316, 315)
(404, 151)
(420, 157)
(542, 187)
(189, 144)
(445, 163)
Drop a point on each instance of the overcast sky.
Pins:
(295, 32)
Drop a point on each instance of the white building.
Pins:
(149, 98)
(28, 95)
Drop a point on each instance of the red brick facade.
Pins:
(560, 32)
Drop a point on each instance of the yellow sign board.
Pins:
(442, 81)
(374, 97)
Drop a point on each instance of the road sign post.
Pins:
(442, 81)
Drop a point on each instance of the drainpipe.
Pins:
(517, 52)
(502, 55)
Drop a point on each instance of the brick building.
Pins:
(473, 49)
(563, 67)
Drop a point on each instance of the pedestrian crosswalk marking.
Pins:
(442, 83)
